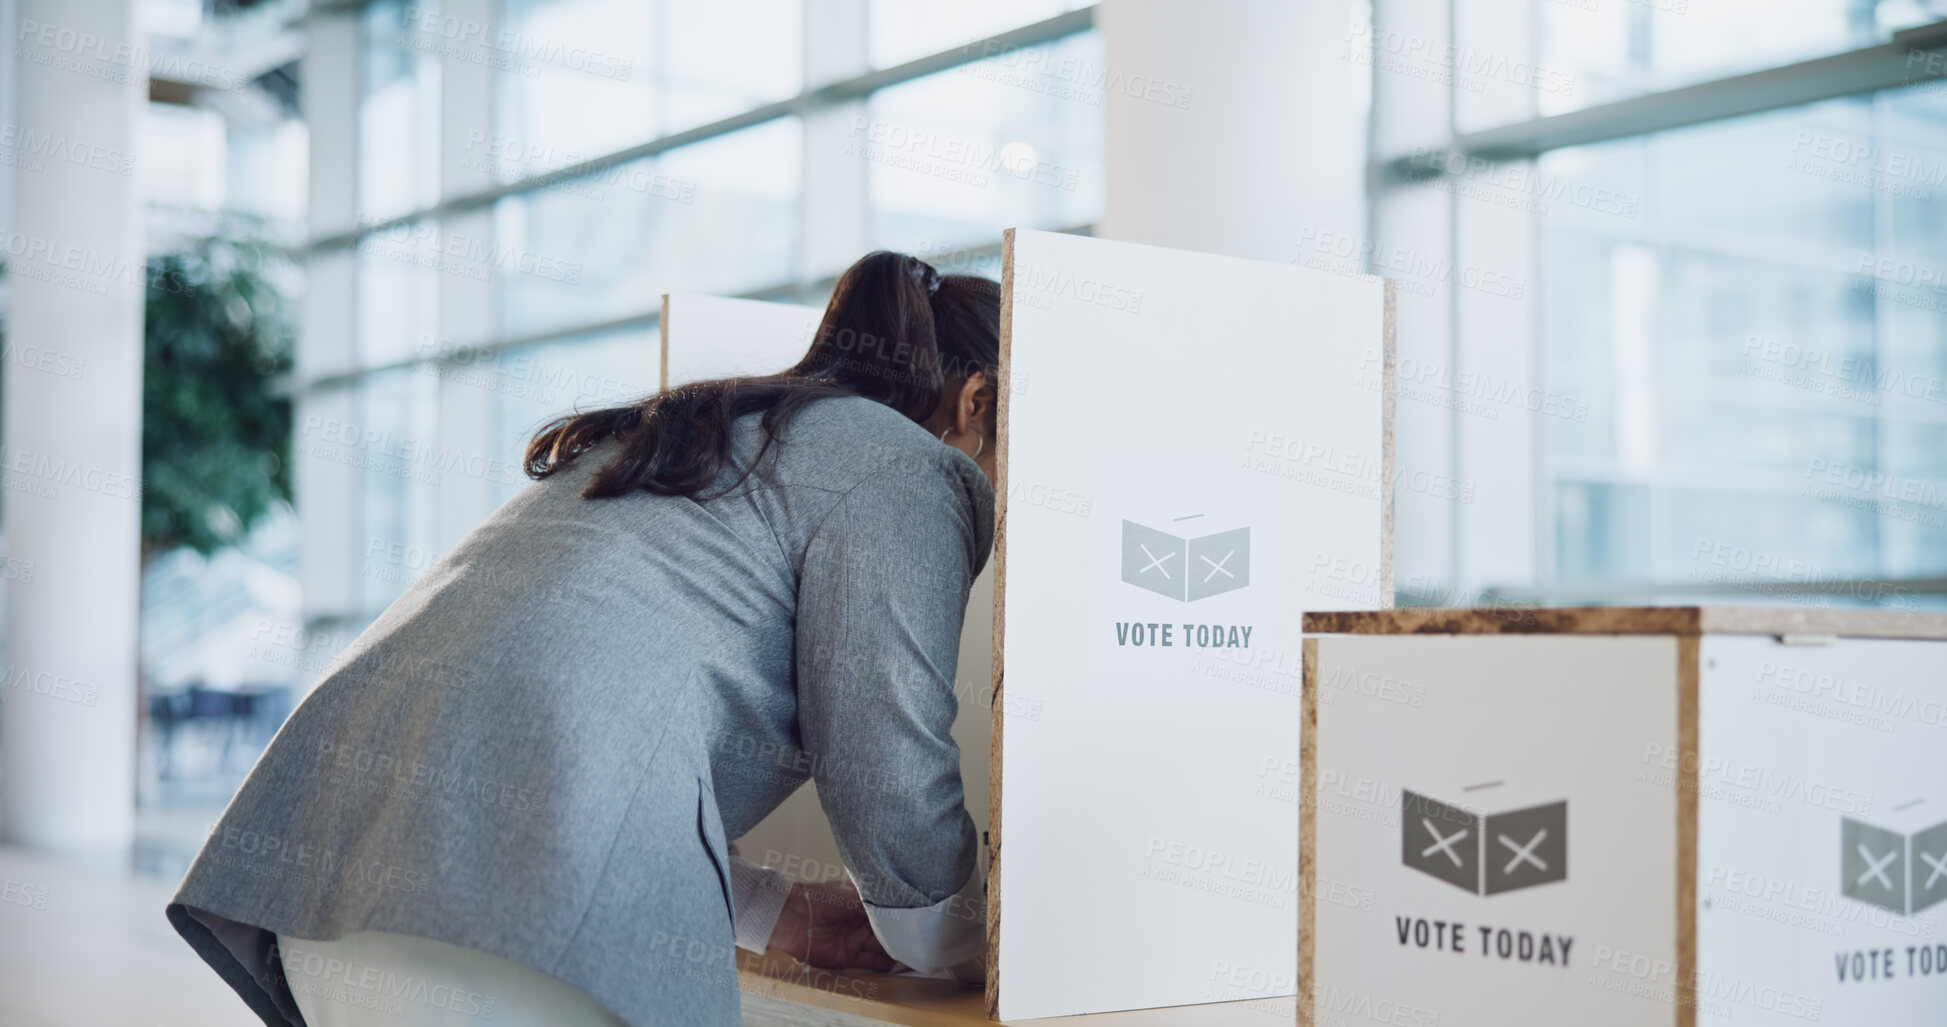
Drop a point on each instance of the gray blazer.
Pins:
(540, 748)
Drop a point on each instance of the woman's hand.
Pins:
(824, 925)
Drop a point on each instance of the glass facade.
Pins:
(1597, 52)
(956, 157)
(718, 216)
(536, 383)
(478, 306)
(1697, 363)
(1760, 376)
(576, 79)
(1736, 328)
(1671, 346)
(398, 111)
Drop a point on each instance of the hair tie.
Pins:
(929, 277)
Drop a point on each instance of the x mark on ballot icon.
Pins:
(1156, 562)
(1939, 865)
(1440, 844)
(1218, 565)
(1876, 866)
(1525, 853)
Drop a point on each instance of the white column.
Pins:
(1270, 144)
(73, 437)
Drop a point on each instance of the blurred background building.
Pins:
(1672, 289)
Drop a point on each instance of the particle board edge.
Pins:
(662, 365)
(1687, 826)
(1388, 407)
(1307, 831)
(997, 712)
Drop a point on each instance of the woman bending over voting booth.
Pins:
(511, 795)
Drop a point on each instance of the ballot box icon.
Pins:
(1185, 568)
(1929, 849)
(1901, 873)
(1484, 853)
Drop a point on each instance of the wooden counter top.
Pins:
(778, 990)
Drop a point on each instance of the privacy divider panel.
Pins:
(1196, 449)
(715, 336)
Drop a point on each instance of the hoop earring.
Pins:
(978, 446)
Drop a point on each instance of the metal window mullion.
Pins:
(1866, 70)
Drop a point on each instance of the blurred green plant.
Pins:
(216, 428)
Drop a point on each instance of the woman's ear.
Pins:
(974, 409)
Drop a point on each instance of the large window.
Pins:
(527, 190)
(398, 111)
(956, 157)
(534, 384)
(1755, 383)
(580, 78)
(1710, 325)
(1610, 50)
(717, 216)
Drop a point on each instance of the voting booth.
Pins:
(1190, 458)
(1624, 816)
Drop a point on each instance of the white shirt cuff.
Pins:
(757, 895)
(933, 938)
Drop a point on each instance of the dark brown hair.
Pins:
(896, 331)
